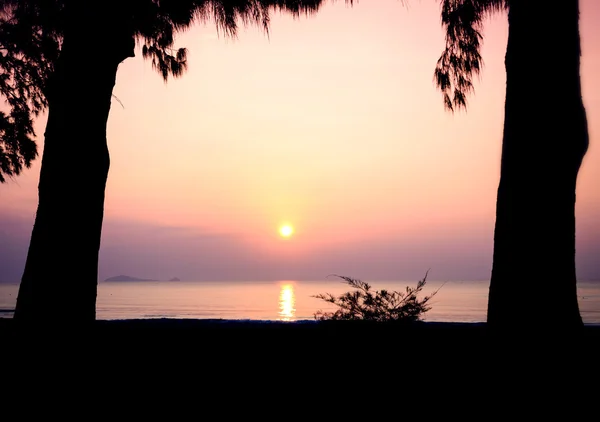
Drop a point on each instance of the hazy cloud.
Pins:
(161, 252)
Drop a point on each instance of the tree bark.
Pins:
(545, 138)
(61, 272)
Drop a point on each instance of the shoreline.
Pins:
(252, 345)
(310, 324)
(225, 321)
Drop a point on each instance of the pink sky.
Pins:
(331, 123)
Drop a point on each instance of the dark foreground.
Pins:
(252, 369)
(303, 338)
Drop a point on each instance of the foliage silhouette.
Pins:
(364, 304)
(461, 58)
(32, 32)
(29, 47)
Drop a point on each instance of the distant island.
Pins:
(174, 279)
(127, 278)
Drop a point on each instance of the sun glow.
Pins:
(286, 230)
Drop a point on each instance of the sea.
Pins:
(284, 300)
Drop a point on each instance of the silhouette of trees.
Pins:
(545, 139)
(61, 271)
(64, 54)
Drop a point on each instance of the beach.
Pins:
(247, 368)
(359, 334)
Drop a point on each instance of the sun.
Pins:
(286, 230)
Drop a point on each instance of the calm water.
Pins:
(279, 300)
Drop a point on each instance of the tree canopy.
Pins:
(31, 34)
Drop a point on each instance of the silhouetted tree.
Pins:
(61, 271)
(545, 139)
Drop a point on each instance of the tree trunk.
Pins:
(545, 139)
(61, 272)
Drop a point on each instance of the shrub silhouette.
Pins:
(376, 305)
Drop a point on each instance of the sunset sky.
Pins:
(331, 124)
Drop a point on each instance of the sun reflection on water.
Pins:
(287, 302)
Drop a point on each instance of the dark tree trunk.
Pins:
(61, 271)
(545, 139)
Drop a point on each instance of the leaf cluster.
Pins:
(461, 58)
(366, 304)
(29, 46)
(157, 23)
